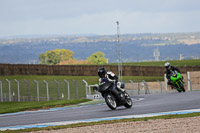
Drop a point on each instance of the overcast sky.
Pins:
(65, 17)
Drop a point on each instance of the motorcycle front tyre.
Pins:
(129, 102)
(182, 88)
(110, 101)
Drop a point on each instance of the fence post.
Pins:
(133, 86)
(28, 92)
(86, 85)
(138, 88)
(189, 82)
(1, 91)
(18, 90)
(47, 87)
(89, 89)
(68, 91)
(146, 87)
(58, 89)
(38, 93)
(165, 79)
(161, 88)
(76, 89)
(9, 89)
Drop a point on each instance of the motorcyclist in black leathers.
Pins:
(108, 76)
(168, 71)
(104, 75)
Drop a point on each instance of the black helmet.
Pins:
(101, 72)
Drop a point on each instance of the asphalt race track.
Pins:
(141, 105)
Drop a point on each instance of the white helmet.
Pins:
(167, 65)
(120, 85)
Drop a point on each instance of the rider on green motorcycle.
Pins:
(168, 71)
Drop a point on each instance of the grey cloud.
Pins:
(50, 9)
(97, 16)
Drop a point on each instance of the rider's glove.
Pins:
(95, 88)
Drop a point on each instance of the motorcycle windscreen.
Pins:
(176, 77)
(104, 86)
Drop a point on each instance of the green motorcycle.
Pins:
(177, 81)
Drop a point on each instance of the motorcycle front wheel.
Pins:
(110, 101)
(129, 102)
(182, 87)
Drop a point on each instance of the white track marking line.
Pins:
(97, 119)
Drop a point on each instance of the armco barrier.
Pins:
(84, 70)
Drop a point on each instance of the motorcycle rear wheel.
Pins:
(111, 101)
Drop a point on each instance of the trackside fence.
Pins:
(40, 90)
(191, 83)
(46, 90)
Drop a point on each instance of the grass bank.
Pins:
(161, 63)
(10, 107)
(89, 79)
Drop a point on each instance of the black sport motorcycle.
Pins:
(113, 97)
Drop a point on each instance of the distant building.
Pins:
(156, 54)
(180, 57)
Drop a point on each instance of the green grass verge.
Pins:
(9, 107)
(141, 78)
(89, 79)
(106, 122)
(161, 63)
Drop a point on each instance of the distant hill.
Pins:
(135, 47)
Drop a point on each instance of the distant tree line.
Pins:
(65, 57)
(135, 48)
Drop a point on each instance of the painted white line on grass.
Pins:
(97, 119)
